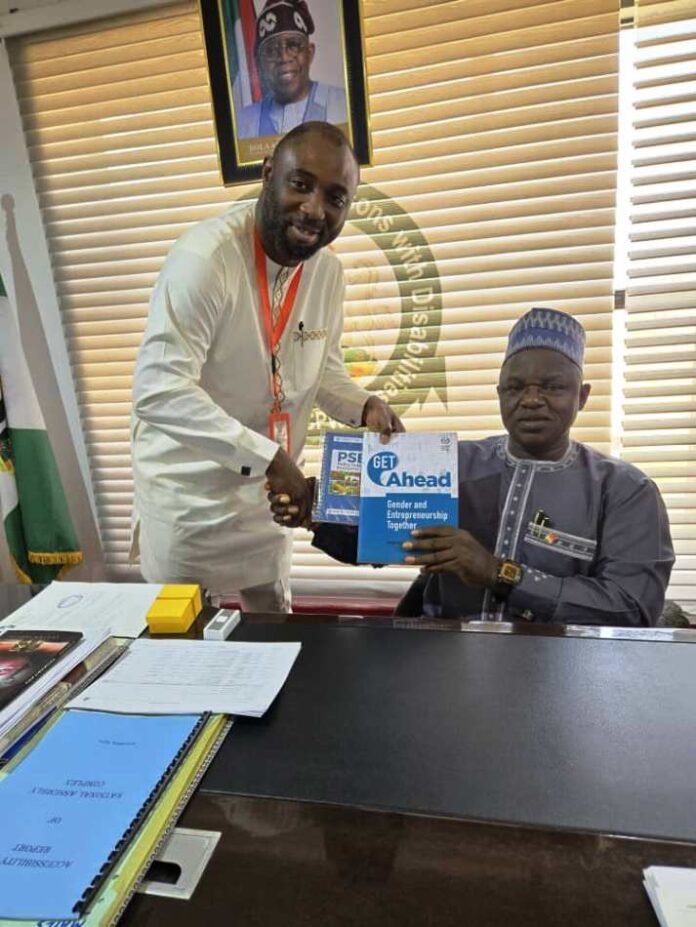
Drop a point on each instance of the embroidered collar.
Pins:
(542, 466)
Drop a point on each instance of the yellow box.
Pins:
(182, 591)
(170, 616)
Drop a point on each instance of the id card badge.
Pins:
(279, 429)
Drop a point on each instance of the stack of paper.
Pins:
(55, 698)
(14, 712)
(118, 887)
(182, 676)
(119, 608)
(88, 768)
(673, 894)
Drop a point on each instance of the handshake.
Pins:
(290, 493)
(419, 529)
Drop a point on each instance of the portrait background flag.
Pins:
(40, 535)
(241, 23)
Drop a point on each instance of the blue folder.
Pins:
(68, 809)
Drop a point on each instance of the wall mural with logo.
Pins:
(413, 368)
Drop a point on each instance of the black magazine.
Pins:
(27, 655)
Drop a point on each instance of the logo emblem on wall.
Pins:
(397, 274)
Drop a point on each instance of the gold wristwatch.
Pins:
(507, 576)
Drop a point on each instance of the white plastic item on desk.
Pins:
(222, 625)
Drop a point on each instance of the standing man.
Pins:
(242, 339)
(284, 55)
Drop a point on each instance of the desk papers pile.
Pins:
(673, 894)
(120, 882)
(51, 681)
(88, 767)
(185, 676)
(118, 608)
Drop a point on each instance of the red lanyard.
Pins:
(273, 332)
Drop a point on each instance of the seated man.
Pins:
(550, 530)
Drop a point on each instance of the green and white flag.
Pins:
(39, 531)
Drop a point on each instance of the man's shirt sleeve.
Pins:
(186, 305)
(631, 573)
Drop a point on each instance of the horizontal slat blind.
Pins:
(494, 128)
(659, 426)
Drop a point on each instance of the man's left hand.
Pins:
(452, 550)
(379, 416)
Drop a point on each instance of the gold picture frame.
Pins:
(247, 113)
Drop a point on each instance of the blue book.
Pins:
(412, 482)
(337, 493)
(70, 806)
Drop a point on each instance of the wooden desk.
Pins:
(521, 777)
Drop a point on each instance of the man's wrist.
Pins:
(495, 566)
(274, 461)
(363, 418)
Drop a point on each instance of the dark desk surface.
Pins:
(433, 778)
(416, 775)
(570, 733)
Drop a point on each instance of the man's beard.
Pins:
(276, 224)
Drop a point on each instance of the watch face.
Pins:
(510, 572)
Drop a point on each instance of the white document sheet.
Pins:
(187, 677)
(118, 609)
(672, 891)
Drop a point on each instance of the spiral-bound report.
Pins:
(72, 805)
(337, 493)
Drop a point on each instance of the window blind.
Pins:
(659, 422)
(494, 133)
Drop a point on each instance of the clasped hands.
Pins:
(290, 494)
(435, 550)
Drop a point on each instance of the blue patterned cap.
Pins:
(548, 328)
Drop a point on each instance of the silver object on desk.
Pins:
(188, 850)
(222, 625)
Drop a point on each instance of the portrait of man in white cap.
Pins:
(284, 52)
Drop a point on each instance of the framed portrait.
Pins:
(273, 64)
